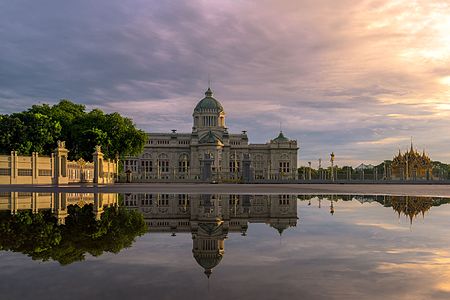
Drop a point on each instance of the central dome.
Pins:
(208, 104)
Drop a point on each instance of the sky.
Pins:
(358, 78)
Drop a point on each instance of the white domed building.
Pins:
(210, 152)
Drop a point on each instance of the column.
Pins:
(60, 164)
(98, 165)
(14, 167)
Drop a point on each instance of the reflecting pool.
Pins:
(182, 246)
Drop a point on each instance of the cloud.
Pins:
(337, 74)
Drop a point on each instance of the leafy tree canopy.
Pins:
(38, 128)
(39, 236)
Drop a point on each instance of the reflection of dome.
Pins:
(208, 103)
(208, 262)
(208, 245)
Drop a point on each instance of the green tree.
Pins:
(38, 129)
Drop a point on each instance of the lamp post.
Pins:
(309, 170)
(117, 166)
(332, 165)
(320, 169)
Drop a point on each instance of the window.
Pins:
(131, 165)
(284, 167)
(43, 172)
(183, 164)
(163, 200)
(147, 166)
(235, 166)
(284, 199)
(5, 172)
(234, 200)
(25, 172)
(163, 166)
(183, 200)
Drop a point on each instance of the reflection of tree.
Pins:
(39, 236)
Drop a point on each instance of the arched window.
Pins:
(183, 163)
(163, 163)
(284, 166)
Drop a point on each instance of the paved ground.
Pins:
(368, 189)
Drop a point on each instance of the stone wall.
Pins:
(56, 169)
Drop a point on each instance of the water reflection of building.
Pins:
(209, 218)
(410, 206)
(56, 202)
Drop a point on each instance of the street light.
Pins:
(332, 165)
(309, 170)
(320, 169)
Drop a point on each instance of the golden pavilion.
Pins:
(411, 166)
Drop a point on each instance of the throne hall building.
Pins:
(210, 152)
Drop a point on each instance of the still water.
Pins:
(165, 246)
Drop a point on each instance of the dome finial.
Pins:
(208, 92)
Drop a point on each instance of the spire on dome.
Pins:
(412, 148)
(208, 92)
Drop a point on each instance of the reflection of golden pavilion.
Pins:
(411, 166)
(411, 206)
(56, 202)
(209, 218)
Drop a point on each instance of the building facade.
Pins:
(210, 152)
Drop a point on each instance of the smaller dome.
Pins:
(279, 227)
(208, 103)
(280, 138)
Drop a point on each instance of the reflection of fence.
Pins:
(55, 169)
(56, 202)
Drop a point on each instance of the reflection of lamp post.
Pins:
(331, 206)
(332, 165)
